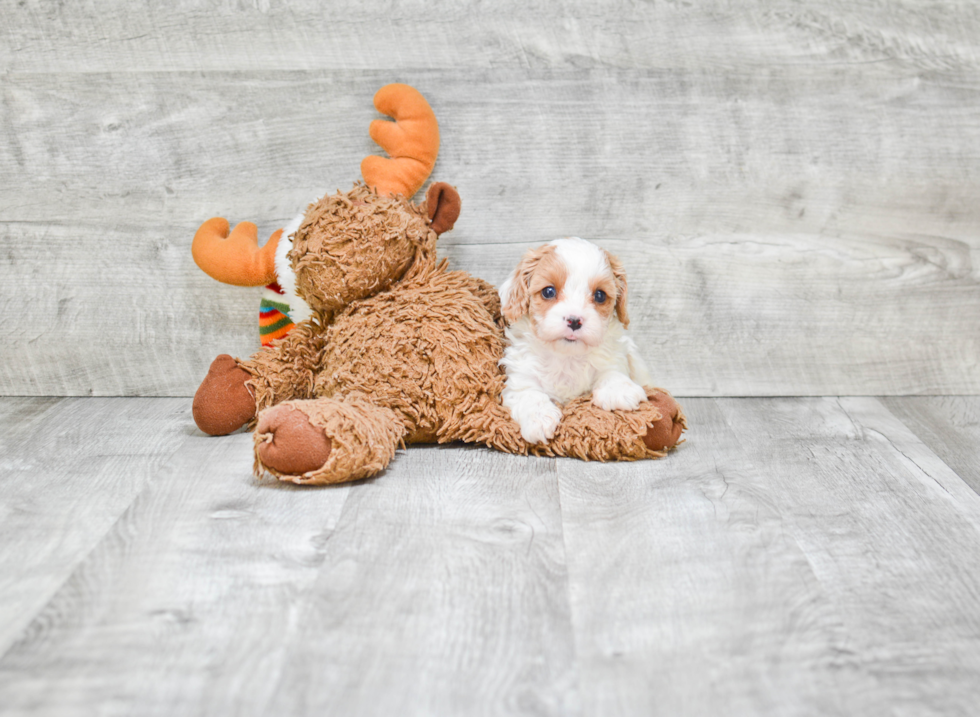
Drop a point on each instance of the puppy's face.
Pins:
(570, 290)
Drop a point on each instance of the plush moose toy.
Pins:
(394, 348)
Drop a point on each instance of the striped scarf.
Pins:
(274, 321)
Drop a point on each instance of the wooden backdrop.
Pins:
(794, 186)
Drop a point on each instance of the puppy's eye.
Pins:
(549, 292)
(599, 296)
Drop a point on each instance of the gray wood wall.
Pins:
(794, 186)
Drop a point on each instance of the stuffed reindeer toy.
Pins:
(390, 347)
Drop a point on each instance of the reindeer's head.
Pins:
(352, 244)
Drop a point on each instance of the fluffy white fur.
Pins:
(549, 360)
(299, 310)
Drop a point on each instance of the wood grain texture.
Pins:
(796, 556)
(806, 230)
(443, 592)
(185, 601)
(793, 185)
(713, 314)
(434, 588)
(824, 148)
(264, 34)
(949, 426)
(794, 314)
(148, 327)
(68, 470)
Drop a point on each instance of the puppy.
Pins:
(566, 309)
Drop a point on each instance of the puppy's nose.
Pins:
(574, 322)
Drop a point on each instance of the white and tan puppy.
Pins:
(566, 309)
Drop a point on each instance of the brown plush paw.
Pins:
(287, 442)
(665, 433)
(223, 402)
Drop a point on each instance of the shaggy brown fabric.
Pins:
(590, 433)
(223, 402)
(286, 370)
(355, 244)
(402, 350)
(363, 439)
(487, 294)
(428, 351)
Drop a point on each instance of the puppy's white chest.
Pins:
(566, 377)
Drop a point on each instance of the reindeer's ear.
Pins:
(442, 204)
(619, 275)
(515, 293)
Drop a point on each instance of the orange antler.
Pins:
(235, 259)
(412, 141)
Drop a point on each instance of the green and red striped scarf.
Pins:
(274, 321)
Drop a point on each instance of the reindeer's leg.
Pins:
(326, 440)
(663, 435)
(586, 431)
(590, 433)
(223, 402)
(234, 391)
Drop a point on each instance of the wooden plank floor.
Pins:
(815, 556)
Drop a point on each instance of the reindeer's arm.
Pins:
(285, 370)
(234, 391)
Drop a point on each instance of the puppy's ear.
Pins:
(515, 293)
(619, 275)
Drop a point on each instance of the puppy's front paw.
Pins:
(540, 427)
(618, 392)
(535, 413)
